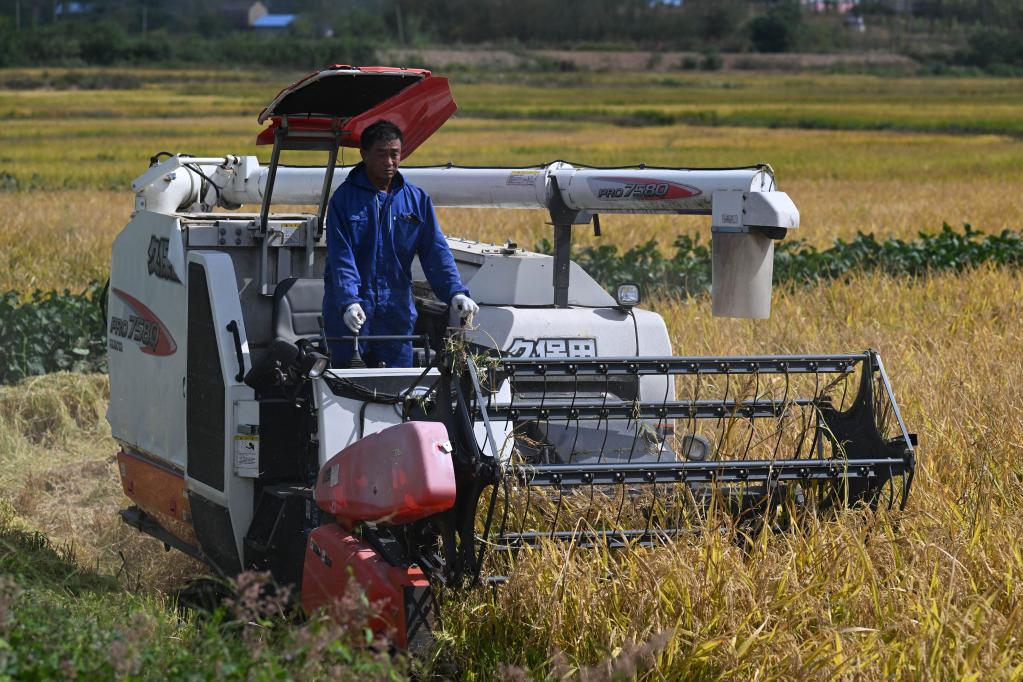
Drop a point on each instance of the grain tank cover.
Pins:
(342, 101)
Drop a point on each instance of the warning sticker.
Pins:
(522, 177)
(246, 455)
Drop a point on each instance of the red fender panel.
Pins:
(333, 557)
(397, 475)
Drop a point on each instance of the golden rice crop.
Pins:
(847, 101)
(929, 593)
(55, 238)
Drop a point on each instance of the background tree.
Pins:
(778, 29)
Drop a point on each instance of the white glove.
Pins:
(355, 318)
(463, 308)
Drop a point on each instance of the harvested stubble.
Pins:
(57, 469)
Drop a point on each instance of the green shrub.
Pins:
(778, 29)
(688, 271)
(995, 49)
(61, 331)
(51, 331)
(107, 43)
(689, 63)
(712, 61)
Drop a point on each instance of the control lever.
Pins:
(357, 362)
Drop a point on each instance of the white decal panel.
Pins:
(552, 348)
(523, 177)
(246, 455)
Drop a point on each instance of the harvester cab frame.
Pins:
(563, 415)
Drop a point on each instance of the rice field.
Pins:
(929, 593)
(844, 182)
(72, 154)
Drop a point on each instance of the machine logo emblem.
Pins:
(141, 326)
(642, 189)
(159, 260)
(552, 348)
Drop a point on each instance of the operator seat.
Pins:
(298, 305)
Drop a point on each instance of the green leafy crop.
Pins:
(51, 331)
(688, 271)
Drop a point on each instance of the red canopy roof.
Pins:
(343, 100)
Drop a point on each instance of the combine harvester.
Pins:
(561, 415)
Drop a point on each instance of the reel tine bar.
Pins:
(586, 427)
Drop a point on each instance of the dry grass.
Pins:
(57, 470)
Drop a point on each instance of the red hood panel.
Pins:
(350, 99)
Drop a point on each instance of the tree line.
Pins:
(981, 33)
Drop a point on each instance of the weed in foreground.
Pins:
(59, 619)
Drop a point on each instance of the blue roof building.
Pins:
(62, 8)
(273, 22)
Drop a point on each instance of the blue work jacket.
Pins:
(372, 238)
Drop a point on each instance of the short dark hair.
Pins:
(381, 131)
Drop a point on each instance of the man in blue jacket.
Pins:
(376, 224)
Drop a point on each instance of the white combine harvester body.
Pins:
(218, 460)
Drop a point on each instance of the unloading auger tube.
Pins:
(747, 213)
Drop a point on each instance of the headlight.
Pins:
(695, 448)
(314, 365)
(627, 295)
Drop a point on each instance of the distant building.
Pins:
(62, 9)
(243, 14)
(839, 6)
(273, 22)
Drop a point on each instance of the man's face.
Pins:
(382, 161)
